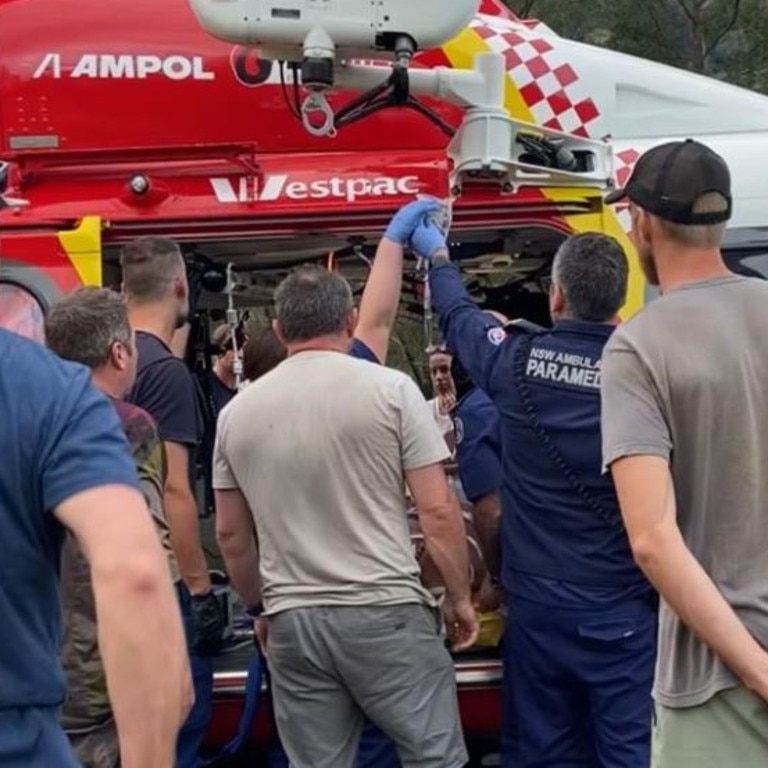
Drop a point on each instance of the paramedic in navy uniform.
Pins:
(581, 628)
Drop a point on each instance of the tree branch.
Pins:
(688, 12)
(731, 24)
(649, 7)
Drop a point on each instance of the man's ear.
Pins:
(118, 357)
(640, 233)
(180, 289)
(649, 227)
(556, 300)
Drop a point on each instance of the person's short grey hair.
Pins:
(592, 271)
(84, 325)
(312, 302)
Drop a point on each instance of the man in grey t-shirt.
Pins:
(685, 417)
(316, 454)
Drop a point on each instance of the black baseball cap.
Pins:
(669, 179)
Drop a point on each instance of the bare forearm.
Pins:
(144, 652)
(446, 544)
(381, 298)
(243, 568)
(649, 507)
(487, 514)
(692, 595)
(181, 511)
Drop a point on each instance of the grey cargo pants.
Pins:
(332, 667)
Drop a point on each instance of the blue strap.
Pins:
(247, 719)
(376, 750)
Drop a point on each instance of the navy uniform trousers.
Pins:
(578, 681)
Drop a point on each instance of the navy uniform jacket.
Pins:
(561, 521)
(478, 444)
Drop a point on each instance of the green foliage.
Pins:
(720, 38)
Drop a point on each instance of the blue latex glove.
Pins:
(405, 221)
(427, 239)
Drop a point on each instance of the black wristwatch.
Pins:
(255, 610)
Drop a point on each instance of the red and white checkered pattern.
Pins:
(625, 164)
(548, 84)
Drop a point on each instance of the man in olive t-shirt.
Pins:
(70, 331)
(685, 411)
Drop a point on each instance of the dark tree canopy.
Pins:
(720, 38)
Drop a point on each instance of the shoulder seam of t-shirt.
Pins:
(220, 486)
(439, 457)
(165, 438)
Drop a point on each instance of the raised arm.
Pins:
(381, 297)
(472, 335)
